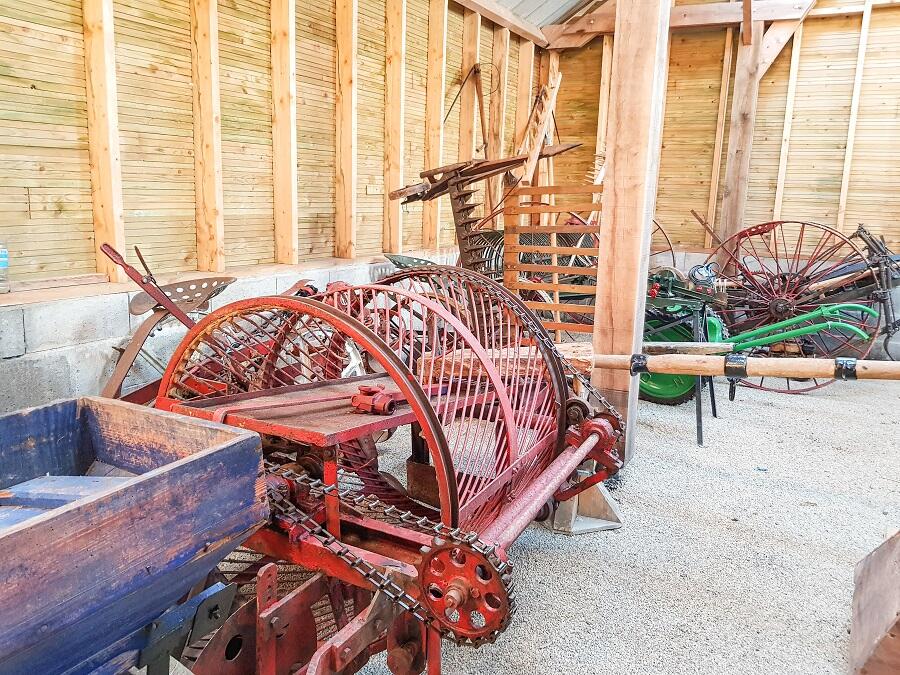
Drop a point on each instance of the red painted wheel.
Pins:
(779, 270)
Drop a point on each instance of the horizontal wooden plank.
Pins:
(549, 250)
(560, 307)
(551, 208)
(557, 190)
(548, 269)
(512, 228)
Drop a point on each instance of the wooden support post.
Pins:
(434, 113)
(720, 137)
(606, 57)
(634, 139)
(103, 133)
(788, 123)
(746, 31)
(284, 129)
(854, 114)
(875, 632)
(470, 55)
(395, 105)
(524, 95)
(346, 19)
(207, 136)
(740, 134)
(496, 128)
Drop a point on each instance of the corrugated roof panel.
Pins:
(543, 12)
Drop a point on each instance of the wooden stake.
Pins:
(500, 64)
(346, 20)
(434, 113)
(713, 201)
(103, 133)
(788, 123)
(284, 129)
(207, 136)
(395, 105)
(605, 79)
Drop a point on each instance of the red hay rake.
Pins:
(412, 430)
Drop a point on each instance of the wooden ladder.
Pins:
(536, 131)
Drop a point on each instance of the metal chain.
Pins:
(380, 581)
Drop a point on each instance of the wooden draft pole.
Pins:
(395, 106)
(207, 136)
(346, 14)
(434, 113)
(633, 143)
(284, 129)
(103, 133)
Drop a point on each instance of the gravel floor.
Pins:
(734, 558)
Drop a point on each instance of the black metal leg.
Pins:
(698, 383)
(712, 396)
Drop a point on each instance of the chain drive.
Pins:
(293, 515)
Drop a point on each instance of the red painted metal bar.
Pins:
(519, 513)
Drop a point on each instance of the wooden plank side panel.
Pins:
(692, 106)
(156, 131)
(873, 198)
(245, 83)
(45, 173)
(370, 144)
(316, 67)
(452, 82)
(414, 136)
(821, 114)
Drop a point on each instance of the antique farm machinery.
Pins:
(412, 429)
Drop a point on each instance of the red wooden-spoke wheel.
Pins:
(779, 270)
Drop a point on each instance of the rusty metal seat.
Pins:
(189, 296)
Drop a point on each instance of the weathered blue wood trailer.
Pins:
(110, 514)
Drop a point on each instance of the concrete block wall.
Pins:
(66, 348)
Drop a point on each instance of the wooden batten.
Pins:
(103, 133)
(434, 112)
(284, 128)
(603, 105)
(854, 114)
(346, 22)
(470, 56)
(740, 133)
(497, 117)
(719, 140)
(634, 138)
(787, 124)
(207, 136)
(395, 106)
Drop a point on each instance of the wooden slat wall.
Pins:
(874, 196)
(245, 76)
(692, 104)
(416, 65)
(153, 63)
(370, 168)
(821, 114)
(819, 126)
(316, 68)
(45, 179)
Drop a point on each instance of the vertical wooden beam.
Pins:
(207, 136)
(720, 136)
(788, 123)
(746, 31)
(434, 113)
(284, 128)
(103, 133)
(606, 56)
(500, 65)
(854, 114)
(740, 133)
(395, 105)
(346, 14)
(634, 140)
(524, 89)
(471, 53)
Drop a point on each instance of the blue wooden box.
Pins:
(109, 514)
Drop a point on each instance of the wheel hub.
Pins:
(780, 308)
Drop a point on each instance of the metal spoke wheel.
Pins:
(779, 270)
